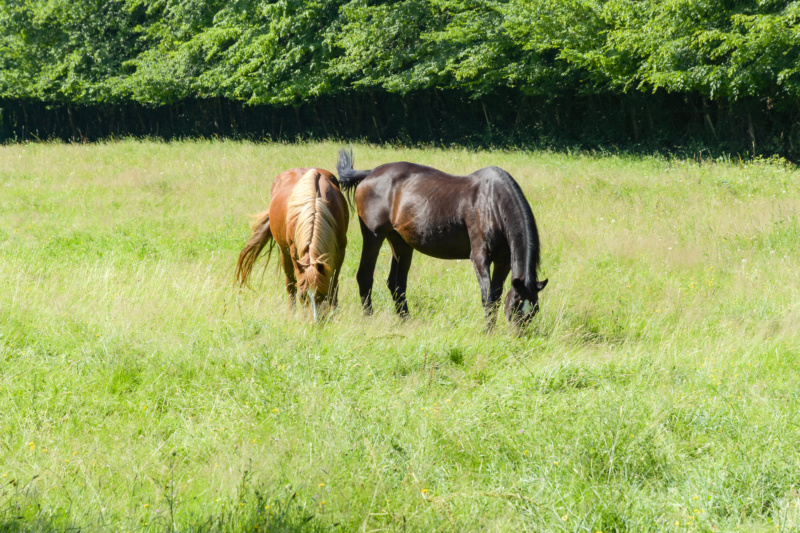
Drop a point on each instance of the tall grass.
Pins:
(141, 390)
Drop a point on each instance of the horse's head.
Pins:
(522, 302)
(318, 288)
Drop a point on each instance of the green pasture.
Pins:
(141, 390)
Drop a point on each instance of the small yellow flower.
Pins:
(424, 491)
(564, 518)
(321, 485)
(147, 505)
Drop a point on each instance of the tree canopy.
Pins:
(283, 52)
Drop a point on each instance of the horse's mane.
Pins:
(315, 235)
(529, 226)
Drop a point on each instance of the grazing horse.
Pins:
(483, 217)
(307, 217)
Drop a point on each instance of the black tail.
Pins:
(349, 178)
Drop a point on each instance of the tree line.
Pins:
(728, 70)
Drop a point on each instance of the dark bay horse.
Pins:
(307, 217)
(483, 217)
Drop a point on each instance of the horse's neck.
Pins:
(517, 236)
(518, 246)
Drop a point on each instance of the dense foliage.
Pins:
(286, 51)
(588, 72)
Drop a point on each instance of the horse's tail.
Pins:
(260, 236)
(349, 178)
(316, 235)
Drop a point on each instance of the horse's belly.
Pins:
(442, 243)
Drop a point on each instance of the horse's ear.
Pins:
(541, 284)
(519, 286)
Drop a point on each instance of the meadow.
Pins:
(142, 390)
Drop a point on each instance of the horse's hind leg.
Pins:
(366, 269)
(499, 275)
(398, 273)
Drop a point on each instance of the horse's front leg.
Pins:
(291, 280)
(499, 275)
(480, 261)
(333, 295)
(366, 269)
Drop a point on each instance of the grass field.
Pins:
(140, 390)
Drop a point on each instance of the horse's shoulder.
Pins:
(491, 176)
(488, 172)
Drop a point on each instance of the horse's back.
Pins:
(403, 170)
(409, 182)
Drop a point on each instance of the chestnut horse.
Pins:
(307, 217)
(483, 217)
